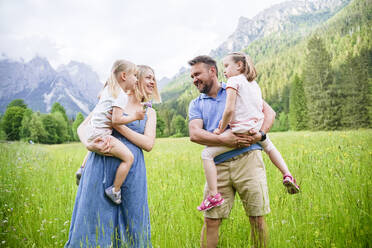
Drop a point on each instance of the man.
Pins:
(240, 170)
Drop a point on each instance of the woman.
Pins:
(96, 221)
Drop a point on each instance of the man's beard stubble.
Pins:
(207, 87)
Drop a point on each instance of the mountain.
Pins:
(281, 17)
(75, 86)
(163, 82)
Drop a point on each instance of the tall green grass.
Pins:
(334, 170)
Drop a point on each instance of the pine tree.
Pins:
(354, 78)
(160, 126)
(321, 93)
(298, 118)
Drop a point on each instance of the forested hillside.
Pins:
(339, 47)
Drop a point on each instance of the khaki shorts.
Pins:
(246, 175)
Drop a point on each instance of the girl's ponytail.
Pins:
(113, 85)
(250, 71)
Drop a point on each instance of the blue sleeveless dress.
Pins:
(96, 221)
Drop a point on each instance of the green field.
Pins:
(334, 170)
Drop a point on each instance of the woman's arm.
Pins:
(229, 109)
(82, 130)
(145, 141)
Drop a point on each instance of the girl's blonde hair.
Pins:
(248, 67)
(140, 90)
(119, 66)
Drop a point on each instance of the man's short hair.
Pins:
(205, 59)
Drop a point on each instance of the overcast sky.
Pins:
(164, 34)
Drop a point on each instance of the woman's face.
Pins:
(148, 82)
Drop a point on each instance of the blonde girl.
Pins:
(243, 113)
(114, 99)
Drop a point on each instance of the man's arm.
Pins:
(269, 117)
(203, 137)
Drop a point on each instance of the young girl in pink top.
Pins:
(243, 112)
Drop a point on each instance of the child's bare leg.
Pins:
(210, 171)
(122, 152)
(288, 181)
(278, 161)
(275, 156)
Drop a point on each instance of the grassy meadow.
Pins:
(334, 170)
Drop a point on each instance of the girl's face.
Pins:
(147, 81)
(230, 67)
(130, 81)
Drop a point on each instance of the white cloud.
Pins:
(163, 34)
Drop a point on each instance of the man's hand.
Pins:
(217, 131)
(247, 139)
(101, 146)
(229, 139)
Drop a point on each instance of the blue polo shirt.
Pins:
(210, 110)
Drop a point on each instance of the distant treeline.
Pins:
(21, 123)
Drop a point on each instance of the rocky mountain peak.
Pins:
(271, 20)
(75, 85)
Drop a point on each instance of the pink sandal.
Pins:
(290, 183)
(211, 202)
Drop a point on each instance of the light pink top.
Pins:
(249, 104)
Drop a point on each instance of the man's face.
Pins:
(202, 76)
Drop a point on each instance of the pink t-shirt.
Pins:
(249, 104)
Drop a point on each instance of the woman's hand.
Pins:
(101, 146)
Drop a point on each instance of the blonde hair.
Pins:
(248, 70)
(140, 90)
(118, 66)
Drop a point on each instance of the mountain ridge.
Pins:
(75, 85)
(273, 19)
